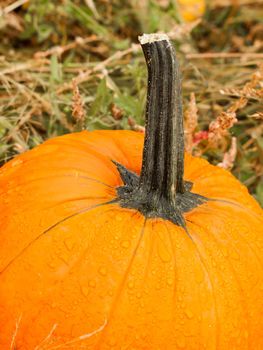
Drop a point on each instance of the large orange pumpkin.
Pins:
(94, 256)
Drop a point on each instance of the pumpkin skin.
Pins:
(79, 274)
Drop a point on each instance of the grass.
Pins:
(77, 65)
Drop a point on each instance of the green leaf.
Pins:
(131, 105)
(56, 71)
(85, 16)
(102, 99)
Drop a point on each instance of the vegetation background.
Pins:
(68, 65)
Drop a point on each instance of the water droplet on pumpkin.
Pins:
(103, 271)
(64, 257)
(189, 313)
(225, 251)
(142, 303)
(118, 217)
(199, 276)
(112, 342)
(180, 341)
(158, 286)
(125, 244)
(85, 291)
(11, 183)
(246, 334)
(130, 284)
(69, 243)
(54, 305)
(92, 284)
(234, 254)
(5, 200)
(138, 295)
(214, 263)
(182, 305)
(169, 282)
(52, 264)
(163, 253)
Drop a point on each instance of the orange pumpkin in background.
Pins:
(97, 253)
(190, 10)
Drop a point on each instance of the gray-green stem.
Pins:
(163, 155)
(160, 190)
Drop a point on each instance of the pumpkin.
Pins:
(190, 10)
(113, 240)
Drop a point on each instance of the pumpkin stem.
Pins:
(160, 190)
(163, 153)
